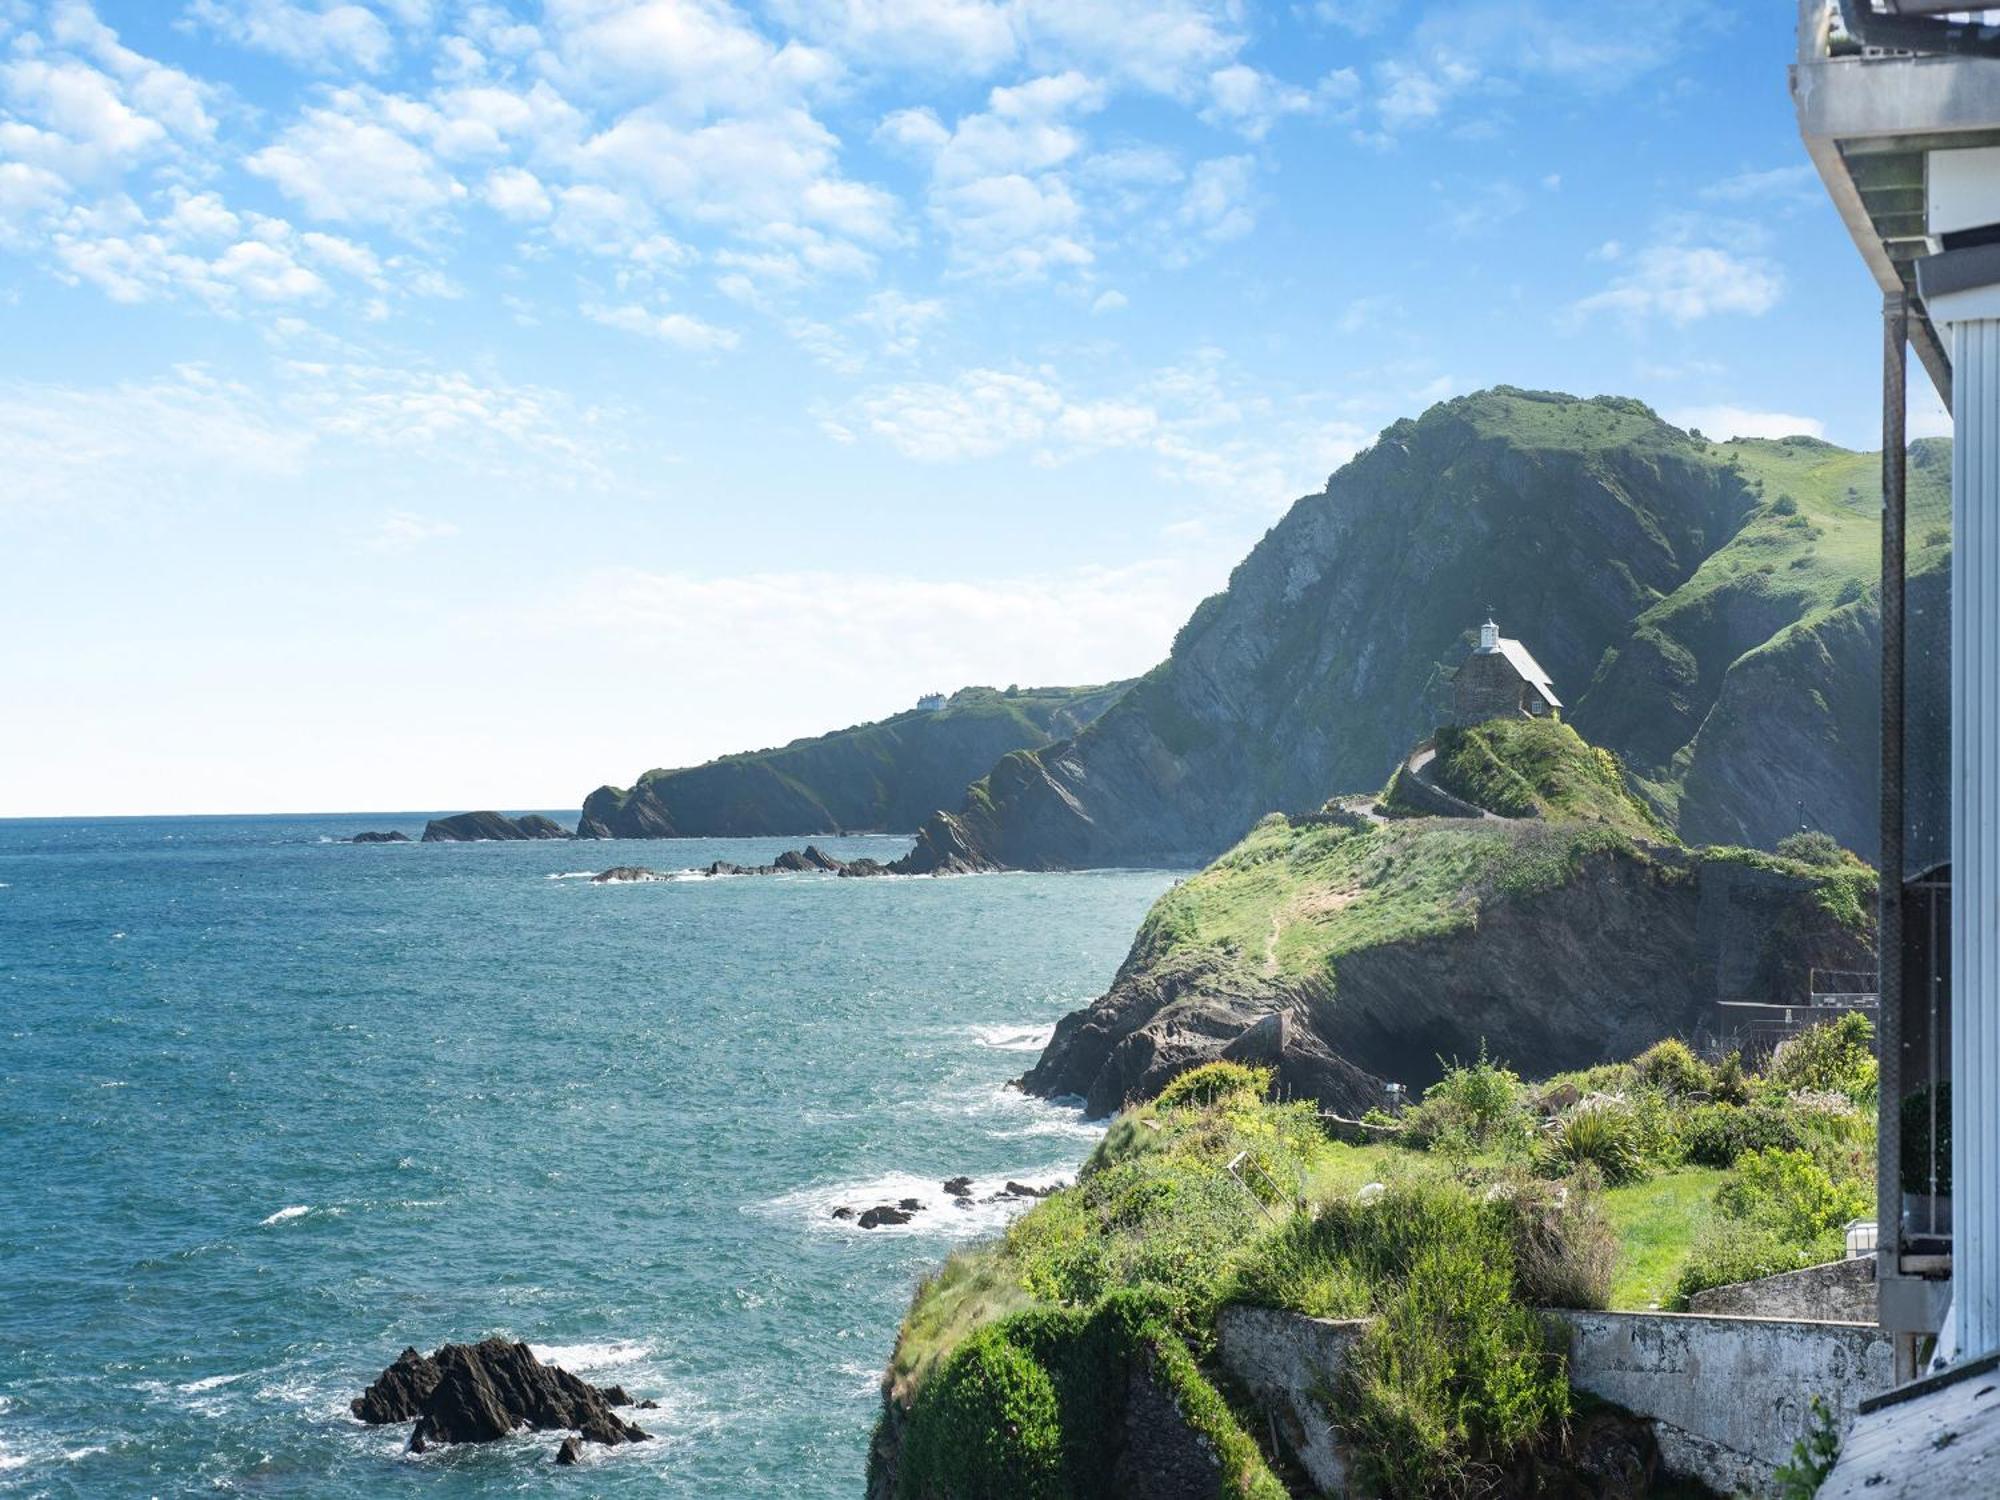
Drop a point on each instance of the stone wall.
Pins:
(1842, 1291)
(1287, 1363)
(1486, 687)
(1727, 1397)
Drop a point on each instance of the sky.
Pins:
(441, 404)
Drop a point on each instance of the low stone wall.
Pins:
(1841, 1291)
(1727, 1397)
(1287, 1363)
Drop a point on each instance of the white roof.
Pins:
(1530, 669)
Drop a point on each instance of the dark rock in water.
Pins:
(961, 1202)
(624, 874)
(399, 1392)
(614, 1395)
(646, 1405)
(479, 827)
(478, 1393)
(1022, 1190)
(958, 1187)
(861, 869)
(570, 1452)
(724, 867)
(910, 1205)
(843, 1212)
(393, 836)
(884, 1214)
(793, 863)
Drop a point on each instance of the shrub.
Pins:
(1813, 1456)
(1730, 1251)
(1791, 1194)
(1731, 1083)
(1715, 1135)
(1565, 1250)
(986, 1425)
(1600, 1132)
(1215, 1081)
(1832, 1055)
(1810, 847)
(1483, 1103)
(1451, 1376)
(1671, 1067)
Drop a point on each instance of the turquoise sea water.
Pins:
(274, 1106)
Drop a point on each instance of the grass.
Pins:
(1541, 768)
(1658, 1222)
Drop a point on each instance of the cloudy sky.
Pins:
(451, 403)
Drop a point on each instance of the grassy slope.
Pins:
(1658, 1222)
(1540, 768)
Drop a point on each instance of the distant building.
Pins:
(931, 703)
(1500, 680)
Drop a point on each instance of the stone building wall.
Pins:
(1487, 687)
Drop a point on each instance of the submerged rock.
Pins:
(479, 1393)
(958, 1187)
(392, 836)
(874, 1218)
(625, 875)
(569, 1452)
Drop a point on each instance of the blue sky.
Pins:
(449, 403)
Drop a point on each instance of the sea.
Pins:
(274, 1106)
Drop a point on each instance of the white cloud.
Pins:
(1109, 302)
(687, 58)
(1774, 185)
(682, 330)
(1251, 102)
(346, 162)
(328, 36)
(1685, 283)
(960, 36)
(1217, 203)
(402, 531)
(517, 194)
(1736, 421)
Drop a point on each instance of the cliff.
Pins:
(1563, 927)
(881, 777)
(1708, 611)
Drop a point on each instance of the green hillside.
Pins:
(880, 777)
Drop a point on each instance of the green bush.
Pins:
(1812, 848)
(1480, 1104)
(1034, 1406)
(986, 1427)
(1214, 1081)
(1671, 1067)
(1731, 1081)
(1791, 1194)
(1565, 1250)
(1731, 1250)
(1715, 1135)
(1451, 1377)
(1601, 1133)
(1834, 1055)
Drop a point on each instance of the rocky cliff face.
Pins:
(883, 777)
(1345, 949)
(1662, 579)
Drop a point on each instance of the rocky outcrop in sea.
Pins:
(483, 827)
(392, 836)
(480, 1393)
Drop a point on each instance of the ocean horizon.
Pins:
(280, 1105)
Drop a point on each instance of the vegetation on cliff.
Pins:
(1567, 923)
(1707, 610)
(885, 776)
(1484, 1201)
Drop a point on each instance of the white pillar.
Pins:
(1975, 830)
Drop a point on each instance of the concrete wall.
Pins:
(1287, 1363)
(1727, 1396)
(1842, 1291)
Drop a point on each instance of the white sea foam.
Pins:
(210, 1383)
(286, 1215)
(1013, 1038)
(578, 1359)
(940, 1217)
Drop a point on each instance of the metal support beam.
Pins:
(1889, 900)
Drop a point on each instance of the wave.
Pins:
(939, 1217)
(578, 1359)
(194, 1387)
(1012, 1038)
(286, 1215)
